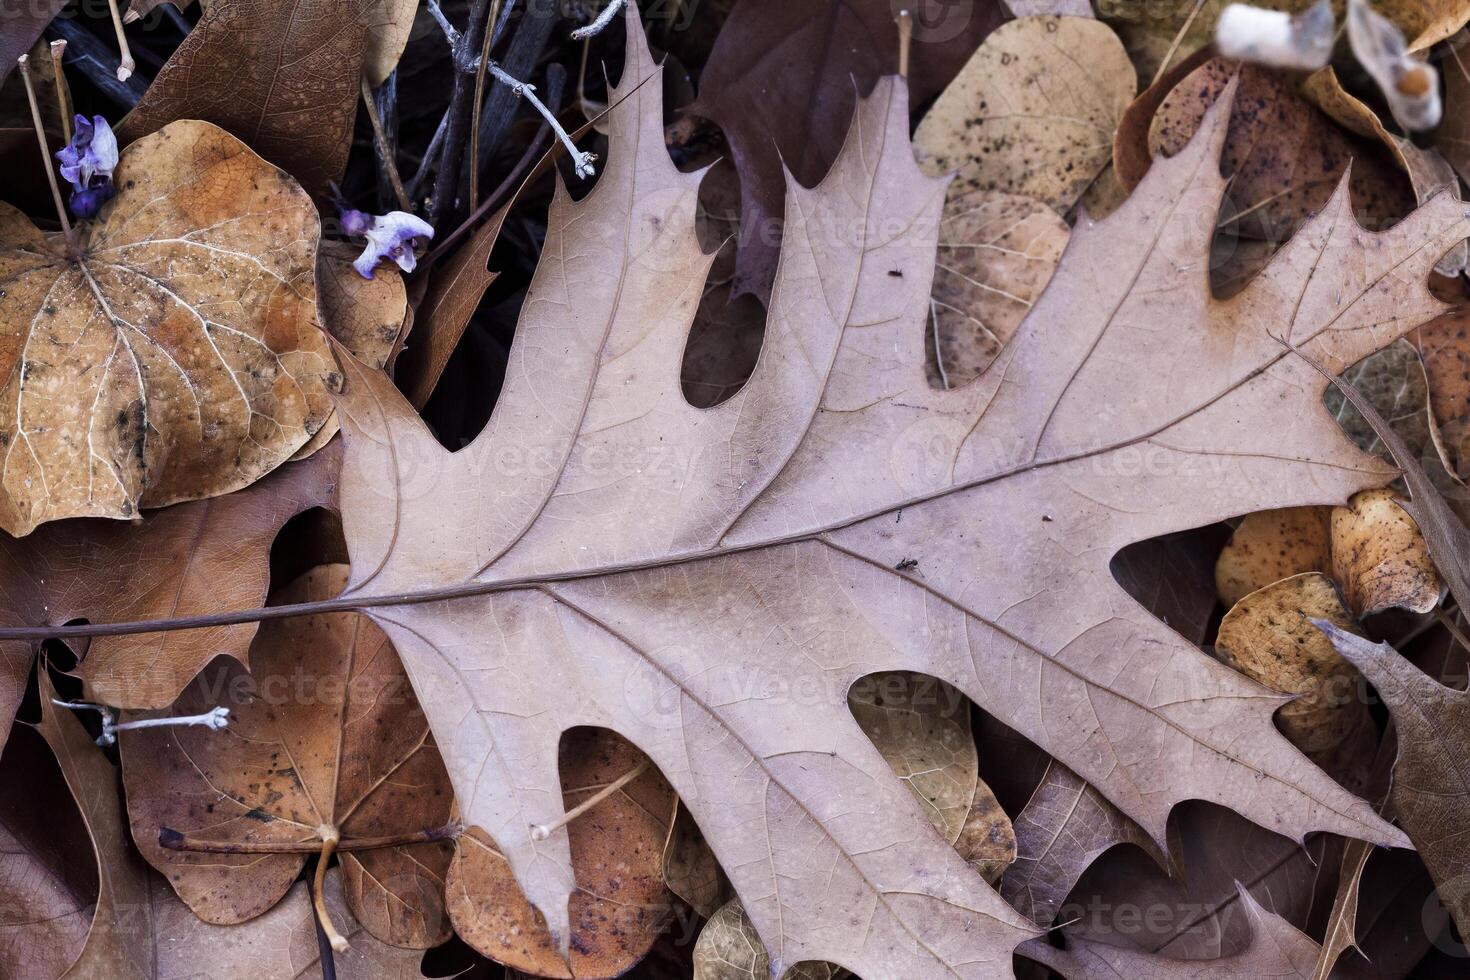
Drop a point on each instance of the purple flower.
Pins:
(91, 154)
(392, 235)
(88, 162)
(356, 223)
(85, 204)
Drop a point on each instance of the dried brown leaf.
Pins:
(1063, 828)
(617, 847)
(178, 357)
(283, 77)
(1430, 777)
(324, 732)
(1285, 157)
(788, 109)
(922, 728)
(1269, 637)
(192, 559)
(140, 931)
(1033, 112)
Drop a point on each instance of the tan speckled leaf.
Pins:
(180, 356)
(710, 582)
(922, 728)
(1034, 111)
(1269, 636)
(1271, 545)
(617, 851)
(324, 730)
(997, 252)
(728, 948)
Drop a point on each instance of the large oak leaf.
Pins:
(173, 351)
(709, 583)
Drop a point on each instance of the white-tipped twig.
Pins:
(603, 19)
(23, 64)
(63, 97)
(215, 719)
(581, 160)
(905, 22)
(541, 831)
(125, 64)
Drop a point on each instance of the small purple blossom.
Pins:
(355, 222)
(85, 204)
(87, 162)
(393, 236)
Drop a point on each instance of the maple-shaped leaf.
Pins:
(710, 582)
(172, 352)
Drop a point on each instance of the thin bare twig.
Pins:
(385, 152)
(172, 840)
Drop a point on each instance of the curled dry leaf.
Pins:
(1269, 637)
(997, 252)
(621, 905)
(324, 732)
(1278, 950)
(1428, 794)
(1371, 548)
(1283, 155)
(729, 948)
(192, 559)
(1063, 828)
(1132, 155)
(785, 533)
(821, 54)
(1379, 557)
(174, 354)
(1033, 112)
